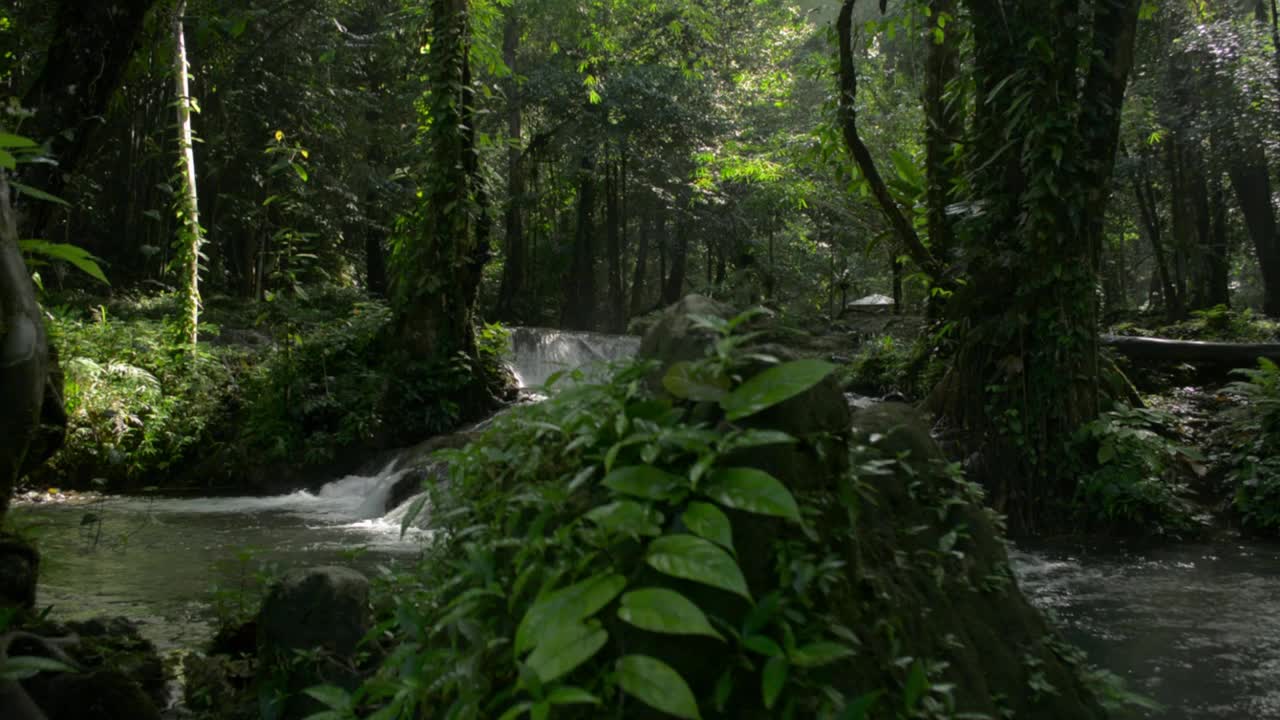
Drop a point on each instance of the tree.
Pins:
(1040, 155)
(189, 200)
(437, 271)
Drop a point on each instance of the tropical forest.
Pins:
(639, 359)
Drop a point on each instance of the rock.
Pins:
(19, 572)
(97, 695)
(116, 644)
(810, 416)
(322, 611)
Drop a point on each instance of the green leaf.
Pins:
(565, 648)
(567, 605)
(627, 517)
(707, 521)
(22, 667)
(643, 481)
(39, 194)
(657, 685)
(9, 140)
(773, 680)
(763, 645)
(753, 491)
(415, 509)
(819, 653)
(516, 711)
(696, 382)
(858, 709)
(572, 696)
(302, 173)
(330, 696)
(7, 160)
(665, 611)
(79, 258)
(692, 558)
(773, 386)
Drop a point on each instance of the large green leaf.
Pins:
(753, 491)
(627, 517)
(657, 685)
(643, 481)
(21, 667)
(692, 558)
(78, 257)
(773, 386)
(695, 381)
(707, 521)
(665, 611)
(9, 140)
(773, 680)
(565, 648)
(39, 194)
(567, 605)
(819, 653)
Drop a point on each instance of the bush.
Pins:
(1130, 475)
(1254, 430)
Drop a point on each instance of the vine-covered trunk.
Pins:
(437, 273)
(642, 264)
(1043, 147)
(617, 320)
(1251, 180)
(673, 286)
(189, 202)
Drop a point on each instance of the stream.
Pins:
(1194, 627)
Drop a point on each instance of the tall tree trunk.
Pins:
(437, 276)
(90, 48)
(1219, 259)
(673, 288)
(943, 122)
(579, 308)
(1026, 373)
(1145, 195)
(189, 204)
(514, 250)
(1251, 181)
(642, 263)
(617, 319)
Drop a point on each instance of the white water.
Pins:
(538, 353)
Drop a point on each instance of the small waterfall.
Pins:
(538, 353)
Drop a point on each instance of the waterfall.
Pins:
(538, 353)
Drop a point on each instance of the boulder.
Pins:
(19, 572)
(322, 612)
(813, 416)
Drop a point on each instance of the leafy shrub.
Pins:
(593, 551)
(1130, 477)
(881, 367)
(1255, 432)
(135, 407)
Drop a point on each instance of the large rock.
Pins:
(813, 416)
(322, 612)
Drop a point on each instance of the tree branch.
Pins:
(848, 117)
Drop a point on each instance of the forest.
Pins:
(493, 359)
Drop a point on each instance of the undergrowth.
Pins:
(1131, 476)
(1254, 430)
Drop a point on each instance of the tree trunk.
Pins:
(514, 249)
(673, 288)
(943, 123)
(1145, 195)
(1251, 181)
(580, 297)
(189, 203)
(1219, 251)
(1026, 373)
(617, 319)
(437, 276)
(89, 51)
(642, 264)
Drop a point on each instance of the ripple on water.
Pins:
(1195, 627)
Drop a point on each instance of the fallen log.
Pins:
(1158, 350)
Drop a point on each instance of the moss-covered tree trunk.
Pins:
(1050, 77)
(437, 272)
(511, 291)
(189, 202)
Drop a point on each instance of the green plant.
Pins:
(606, 550)
(241, 587)
(1254, 429)
(1129, 473)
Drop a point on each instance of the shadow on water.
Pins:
(1194, 627)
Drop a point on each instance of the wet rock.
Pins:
(19, 572)
(322, 613)
(97, 695)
